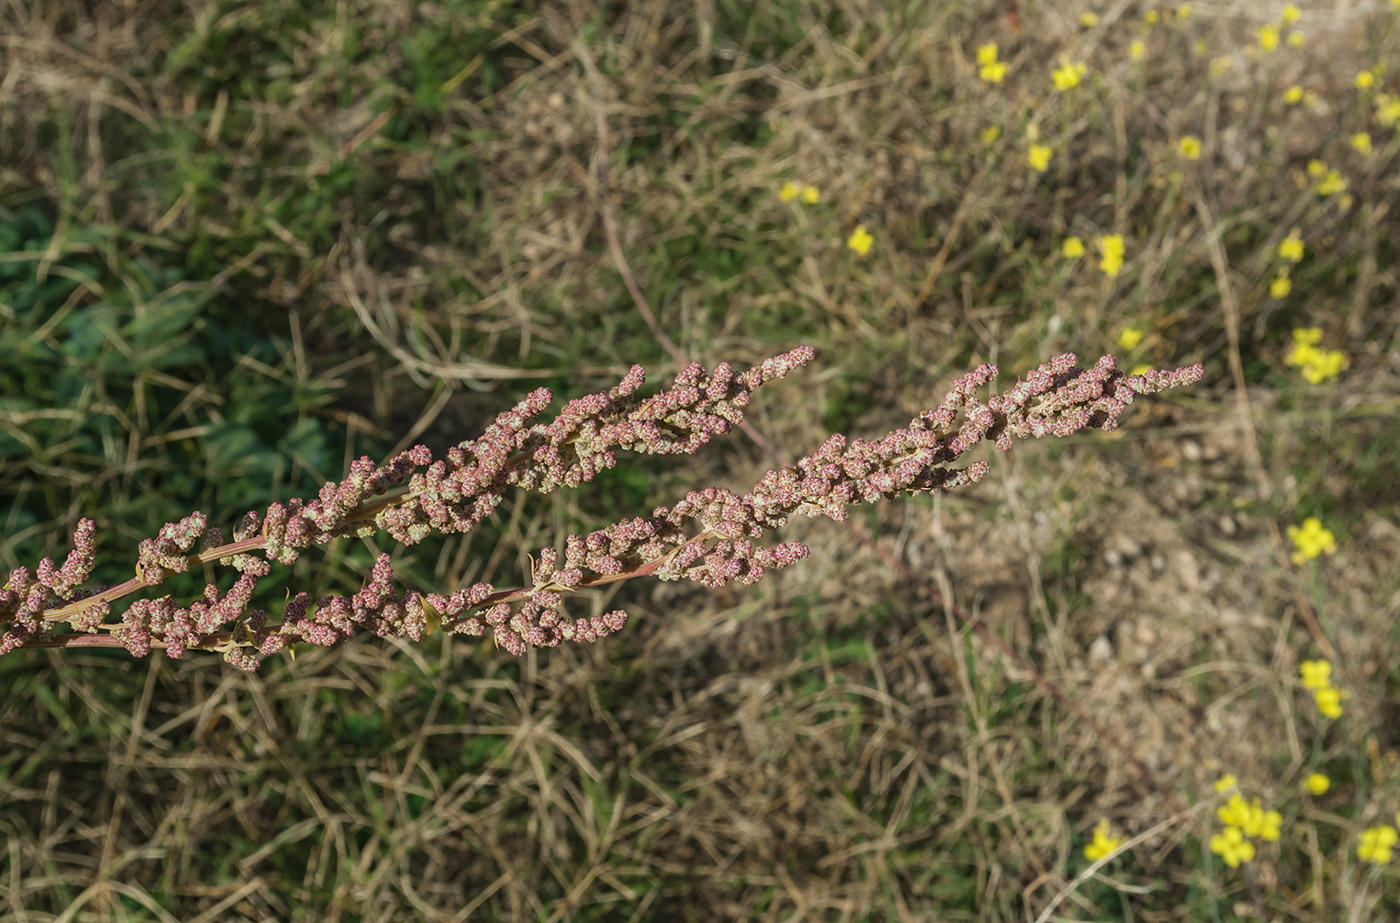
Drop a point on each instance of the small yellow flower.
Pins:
(1150, 17)
(1140, 369)
(1111, 246)
(1332, 184)
(990, 134)
(1307, 336)
(1088, 20)
(1387, 109)
(986, 54)
(994, 72)
(1361, 142)
(1190, 147)
(1226, 782)
(1068, 76)
(1293, 95)
(1136, 49)
(1235, 812)
(1280, 287)
(1315, 674)
(1073, 248)
(1295, 39)
(1329, 703)
(1184, 11)
(1261, 824)
(1317, 784)
(1291, 248)
(1365, 80)
(1328, 364)
(1039, 157)
(1377, 844)
(1317, 169)
(1268, 37)
(1311, 540)
(1231, 846)
(791, 191)
(1130, 338)
(860, 240)
(1103, 844)
(1291, 13)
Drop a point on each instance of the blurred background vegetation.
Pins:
(243, 244)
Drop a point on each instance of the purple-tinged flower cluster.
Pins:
(24, 597)
(158, 557)
(711, 536)
(707, 536)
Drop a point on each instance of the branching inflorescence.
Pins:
(711, 536)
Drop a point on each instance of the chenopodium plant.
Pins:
(711, 536)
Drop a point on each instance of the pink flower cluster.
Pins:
(711, 536)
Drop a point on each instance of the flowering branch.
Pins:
(710, 536)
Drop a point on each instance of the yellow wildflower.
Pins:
(1190, 147)
(860, 240)
(990, 134)
(1184, 11)
(1295, 39)
(1316, 169)
(1231, 846)
(1235, 812)
(1140, 369)
(1332, 184)
(1291, 248)
(1073, 248)
(1136, 49)
(1130, 338)
(1039, 157)
(1103, 844)
(1361, 142)
(1365, 80)
(1150, 17)
(1225, 782)
(1387, 109)
(791, 191)
(1068, 76)
(1280, 287)
(994, 72)
(1317, 784)
(1088, 20)
(1324, 364)
(1111, 246)
(1329, 703)
(1291, 13)
(1377, 844)
(1315, 674)
(1268, 37)
(1311, 540)
(1293, 95)
(986, 54)
(1262, 824)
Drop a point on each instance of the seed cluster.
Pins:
(711, 536)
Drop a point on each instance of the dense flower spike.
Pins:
(711, 536)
